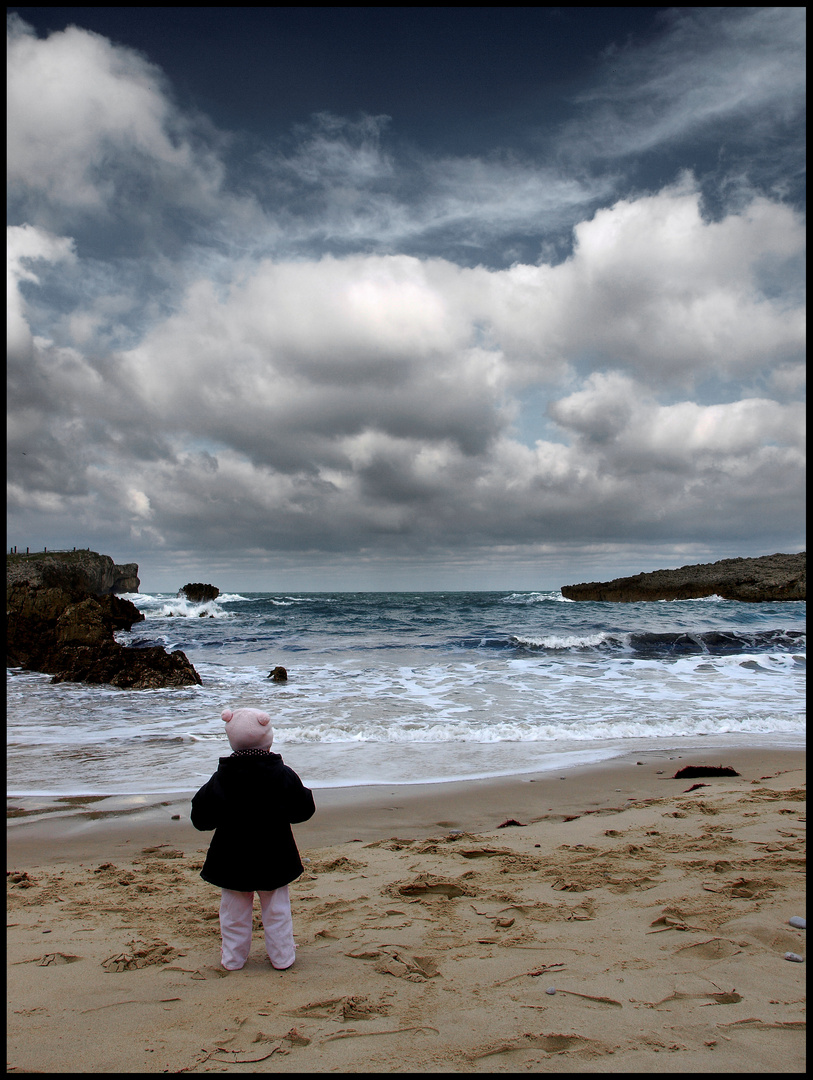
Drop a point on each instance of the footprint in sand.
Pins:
(141, 955)
(411, 968)
(743, 888)
(763, 932)
(355, 1007)
(332, 907)
(482, 852)
(162, 851)
(55, 958)
(553, 1043)
(341, 865)
(398, 963)
(732, 998)
(427, 885)
(672, 919)
(713, 949)
(20, 879)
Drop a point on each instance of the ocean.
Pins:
(387, 688)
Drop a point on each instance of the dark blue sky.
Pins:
(435, 297)
(501, 84)
(469, 75)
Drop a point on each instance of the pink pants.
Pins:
(236, 913)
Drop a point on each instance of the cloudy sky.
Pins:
(412, 298)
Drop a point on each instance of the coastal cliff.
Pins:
(83, 571)
(767, 578)
(61, 617)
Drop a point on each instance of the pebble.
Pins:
(798, 922)
(551, 990)
(794, 957)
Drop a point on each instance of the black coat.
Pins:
(250, 802)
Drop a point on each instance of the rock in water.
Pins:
(61, 615)
(768, 578)
(198, 593)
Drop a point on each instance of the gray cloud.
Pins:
(313, 366)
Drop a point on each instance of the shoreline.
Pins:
(60, 827)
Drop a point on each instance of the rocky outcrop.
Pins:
(198, 593)
(82, 571)
(126, 578)
(54, 624)
(129, 669)
(770, 577)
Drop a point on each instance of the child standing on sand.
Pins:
(251, 802)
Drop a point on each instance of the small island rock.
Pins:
(198, 593)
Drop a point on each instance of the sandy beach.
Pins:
(604, 919)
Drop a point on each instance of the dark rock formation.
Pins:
(691, 772)
(126, 578)
(82, 571)
(129, 669)
(198, 593)
(56, 625)
(770, 577)
(279, 674)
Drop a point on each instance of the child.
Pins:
(250, 802)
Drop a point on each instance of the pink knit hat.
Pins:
(248, 728)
